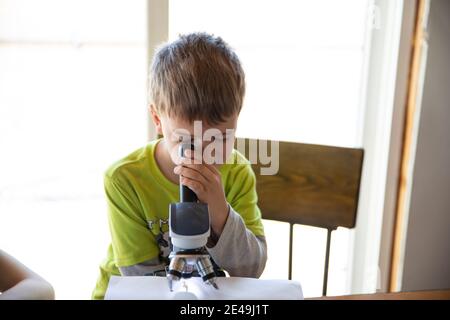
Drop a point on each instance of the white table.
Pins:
(230, 288)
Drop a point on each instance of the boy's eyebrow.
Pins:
(192, 136)
(224, 133)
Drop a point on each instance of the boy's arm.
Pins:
(238, 250)
(236, 225)
(241, 248)
(17, 282)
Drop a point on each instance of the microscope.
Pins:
(189, 229)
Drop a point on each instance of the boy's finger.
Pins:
(198, 162)
(201, 169)
(212, 168)
(190, 173)
(193, 156)
(192, 184)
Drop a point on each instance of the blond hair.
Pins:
(197, 77)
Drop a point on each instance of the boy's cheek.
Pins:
(217, 153)
(173, 150)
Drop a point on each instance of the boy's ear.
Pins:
(156, 119)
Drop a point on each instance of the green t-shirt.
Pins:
(138, 197)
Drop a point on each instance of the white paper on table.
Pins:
(230, 288)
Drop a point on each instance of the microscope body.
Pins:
(189, 229)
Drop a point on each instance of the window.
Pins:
(304, 66)
(72, 99)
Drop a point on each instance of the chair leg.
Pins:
(291, 235)
(327, 262)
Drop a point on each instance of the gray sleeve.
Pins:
(147, 268)
(238, 250)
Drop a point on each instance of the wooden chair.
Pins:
(315, 185)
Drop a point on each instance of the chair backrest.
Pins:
(315, 185)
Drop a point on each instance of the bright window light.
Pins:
(72, 101)
(304, 64)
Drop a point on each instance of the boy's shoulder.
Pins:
(237, 158)
(237, 166)
(131, 163)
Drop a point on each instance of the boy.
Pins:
(196, 91)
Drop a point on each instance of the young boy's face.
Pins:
(213, 143)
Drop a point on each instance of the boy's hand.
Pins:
(205, 180)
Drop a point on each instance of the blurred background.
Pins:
(351, 73)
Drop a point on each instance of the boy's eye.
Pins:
(220, 138)
(184, 139)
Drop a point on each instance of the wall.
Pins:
(426, 263)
